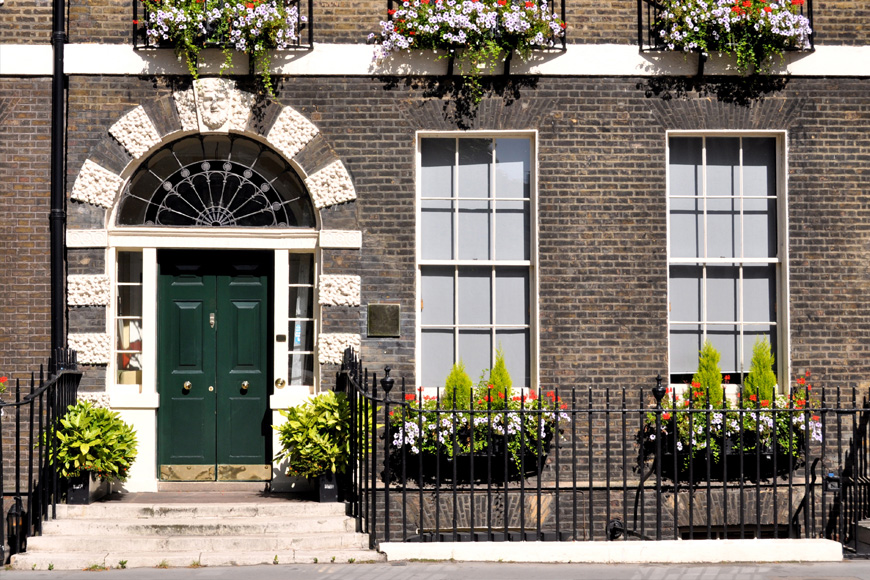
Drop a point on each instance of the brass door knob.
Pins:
(279, 383)
(187, 385)
(244, 385)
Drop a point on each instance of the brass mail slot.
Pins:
(254, 472)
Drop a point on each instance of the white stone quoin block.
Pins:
(96, 185)
(87, 290)
(135, 132)
(92, 348)
(339, 290)
(330, 186)
(291, 132)
(332, 346)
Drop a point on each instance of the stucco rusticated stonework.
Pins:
(341, 239)
(185, 104)
(92, 348)
(330, 186)
(332, 346)
(87, 290)
(96, 185)
(98, 400)
(135, 132)
(291, 132)
(339, 290)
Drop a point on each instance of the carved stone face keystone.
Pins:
(213, 101)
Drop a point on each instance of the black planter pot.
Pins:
(81, 488)
(327, 488)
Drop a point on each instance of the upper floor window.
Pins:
(475, 255)
(724, 245)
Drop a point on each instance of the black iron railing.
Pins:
(614, 465)
(304, 26)
(649, 15)
(29, 484)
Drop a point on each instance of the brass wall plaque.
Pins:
(244, 472)
(187, 473)
(383, 320)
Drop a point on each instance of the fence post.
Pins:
(659, 393)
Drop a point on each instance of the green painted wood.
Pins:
(228, 424)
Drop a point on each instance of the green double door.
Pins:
(213, 365)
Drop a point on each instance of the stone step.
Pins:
(289, 509)
(102, 560)
(197, 526)
(192, 543)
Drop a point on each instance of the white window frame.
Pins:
(531, 264)
(781, 261)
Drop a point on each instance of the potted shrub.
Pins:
(315, 440)
(92, 443)
(751, 30)
(254, 27)
(482, 32)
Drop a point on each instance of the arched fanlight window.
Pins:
(216, 181)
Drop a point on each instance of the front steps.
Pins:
(136, 535)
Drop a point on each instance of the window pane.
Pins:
(512, 296)
(301, 301)
(129, 369)
(475, 295)
(302, 269)
(723, 166)
(724, 338)
(301, 369)
(687, 228)
(437, 347)
(722, 287)
(685, 297)
(129, 300)
(438, 157)
(512, 230)
(759, 218)
(129, 335)
(437, 225)
(759, 166)
(475, 350)
(685, 345)
(437, 295)
(759, 293)
(723, 228)
(303, 335)
(515, 346)
(475, 158)
(685, 166)
(512, 175)
(130, 267)
(474, 236)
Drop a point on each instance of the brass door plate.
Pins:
(187, 472)
(255, 472)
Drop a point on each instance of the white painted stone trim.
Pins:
(341, 239)
(291, 132)
(88, 290)
(619, 552)
(96, 185)
(87, 239)
(92, 348)
(330, 186)
(358, 59)
(332, 346)
(98, 400)
(135, 132)
(185, 104)
(336, 290)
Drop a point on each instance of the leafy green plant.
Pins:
(761, 380)
(162, 564)
(497, 390)
(708, 377)
(457, 387)
(314, 439)
(96, 440)
(122, 564)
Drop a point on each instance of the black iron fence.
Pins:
(579, 464)
(29, 485)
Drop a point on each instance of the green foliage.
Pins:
(707, 381)
(94, 439)
(457, 387)
(314, 439)
(761, 380)
(497, 389)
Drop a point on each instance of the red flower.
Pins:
(797, 2)
(753, 398)
(737, 9)
(249, 5)
(696, 385)
(551, 394)
(410, 397)
(391, 12)
(491, 386)
(765, 403)
(530, 4)
(134, 22)
(747, 3)
(563, 25)
(801, 381)
(3, 379)
(666, 416)
(727, 378)
(815, 417)
(768, 9)
(807, 374)
(563, 406)
(501, 395)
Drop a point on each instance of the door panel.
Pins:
(213, 331)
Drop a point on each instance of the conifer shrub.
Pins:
(707, 381)
(457, 387)
(761, 380)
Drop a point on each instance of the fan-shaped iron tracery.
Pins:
(216, 181)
